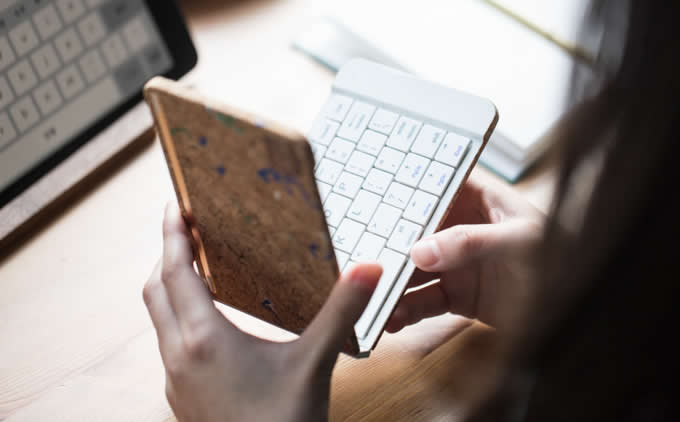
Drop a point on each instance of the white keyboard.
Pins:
(382, 171)
(380, 175)
(64, 64)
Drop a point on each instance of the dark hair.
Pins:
(597, 341)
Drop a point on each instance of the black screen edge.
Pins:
(172, 26)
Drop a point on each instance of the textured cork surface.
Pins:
(247, 190)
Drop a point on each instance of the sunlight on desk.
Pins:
(77, 341)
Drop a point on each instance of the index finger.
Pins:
(189, 297)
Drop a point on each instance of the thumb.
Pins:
(464, 244)
(334, 324)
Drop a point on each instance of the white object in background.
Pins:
(560, 18)
(332, 44)
(468, 45)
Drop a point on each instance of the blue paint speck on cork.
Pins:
(203, 141)
(221, 170)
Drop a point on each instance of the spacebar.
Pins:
(59, 129)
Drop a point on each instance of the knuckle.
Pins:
(150, 290)
(170, 393)
(470, 245)
(200, 345)
(170, 271)
(175, 369)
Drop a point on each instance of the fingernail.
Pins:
(425, 253)
(364, 275)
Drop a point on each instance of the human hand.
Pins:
(215, 372)
(483, 258)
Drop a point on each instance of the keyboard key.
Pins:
(337, 107)
(377, 181)
(136, 34)
(18, 12)
(92, 29)
(25, 114)
(130, 76)
(71, 9)
(364, 206)
(114, 51)
(329, 171)
(45, 61)
(384, 220)
(324, 190)
(22, 77)
(319, 152)
(47, 21)
(360, 163)
(404, 236)
(157, 60)
(7, 56)
(7, 132)
(323, 131)
(62, 126)
(70, 82)
(347, 235)
(389, 160)
(69, 45)
(404, 134)
(6, 95)
(335, 208)
(368, 248)
(24, 38)
(420, 207)
(453, 150)
(428, 141)
(437, 178)
(383, 121)
(48, 98)
(357, 119)
(348, 185)
(116, 12)
(398, 195)
(392, 263)
(412, 170)
(342, 258)
(331, 230)
(92, 65)
(371, 142)
(340, 150)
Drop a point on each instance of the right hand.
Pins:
(482, 258)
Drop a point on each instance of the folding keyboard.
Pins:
(391, 152)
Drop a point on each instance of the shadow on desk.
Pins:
(198, 8)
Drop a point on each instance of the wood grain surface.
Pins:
(77, 343)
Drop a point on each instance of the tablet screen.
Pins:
(64, 66)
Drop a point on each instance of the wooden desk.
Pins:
(77, 343)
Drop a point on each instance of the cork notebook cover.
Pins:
(247, 192)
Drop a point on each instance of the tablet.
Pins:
(70, 68)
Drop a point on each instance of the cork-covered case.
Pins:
(247, 191)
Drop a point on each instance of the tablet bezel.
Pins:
(173, 28)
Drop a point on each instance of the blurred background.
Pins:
(78, 343)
